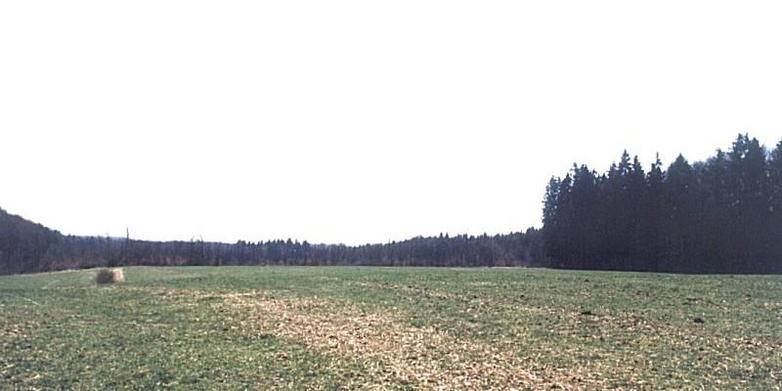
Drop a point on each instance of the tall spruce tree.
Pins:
(679, 194)
(583, 198)
(749, 204)
(716, 218)
(774, 229)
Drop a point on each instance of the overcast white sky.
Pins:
(359, 121)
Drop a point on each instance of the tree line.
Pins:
(29, 247)
(717, 216)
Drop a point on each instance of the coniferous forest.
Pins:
(723, 215)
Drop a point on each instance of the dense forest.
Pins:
(29, 247)
(721, 215)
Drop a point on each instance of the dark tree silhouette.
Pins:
(721, 215)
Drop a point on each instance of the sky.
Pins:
(359, 121)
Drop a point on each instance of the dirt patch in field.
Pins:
(391, 350)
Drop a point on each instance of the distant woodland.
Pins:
(723, 215)
(30, 247)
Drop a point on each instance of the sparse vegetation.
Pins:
(390, 328)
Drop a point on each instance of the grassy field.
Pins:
(387, 328)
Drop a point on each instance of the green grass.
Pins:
(219, 328)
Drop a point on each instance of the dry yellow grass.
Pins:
(391, 350)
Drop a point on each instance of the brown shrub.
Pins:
(109, 276)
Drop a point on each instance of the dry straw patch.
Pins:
(391, 351)
(109, 276)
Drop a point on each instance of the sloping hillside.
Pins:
(23, 244)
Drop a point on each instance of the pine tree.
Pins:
(636, 204)
(561, 247)
(679, 193)
(619, 222)
(582, 228)
(774, 229)
(550, 202)
(716, 218)
(653, 246)
(747, 177)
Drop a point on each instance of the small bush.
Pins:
(109, 276)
